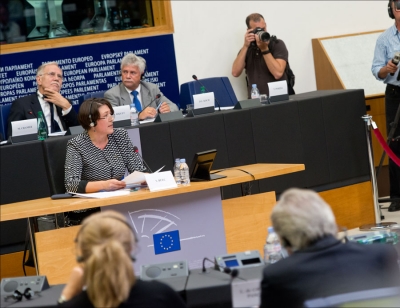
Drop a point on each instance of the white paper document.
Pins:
(246, 293)
(137, 177)
(104, 194)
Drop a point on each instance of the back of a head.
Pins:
(105, 241)
(301, 217)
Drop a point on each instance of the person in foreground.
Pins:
(57, 110)
(104, 245)
(96, 159)
(383, 68)
(134, 90)
(320, 265)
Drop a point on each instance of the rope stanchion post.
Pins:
(378, 224)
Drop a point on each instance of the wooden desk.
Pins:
(245, 218)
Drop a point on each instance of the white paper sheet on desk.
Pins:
(57, 134)
(105, 194)
(137, 177)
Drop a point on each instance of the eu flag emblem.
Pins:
(166, 242)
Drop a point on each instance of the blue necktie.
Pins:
(136, 101)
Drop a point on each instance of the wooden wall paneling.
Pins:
(11, 265)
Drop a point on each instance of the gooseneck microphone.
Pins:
(136, 150)
(157, 97)
(195, 78)
(227, 270)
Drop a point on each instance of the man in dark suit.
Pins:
(320, 265)
(134, 90)
(56, 109)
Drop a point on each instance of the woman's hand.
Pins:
(114, 184)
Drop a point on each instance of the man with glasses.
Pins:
(146, 96)
(56, 109)
(384, 69)
(264, 62)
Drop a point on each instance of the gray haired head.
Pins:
(132, 59)
(301, 217)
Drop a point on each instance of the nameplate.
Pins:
(278, 91)
(122, 113)
(24, 127)
(160, 181)
(203, 100)
(246, 293)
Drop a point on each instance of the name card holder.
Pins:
(278, 91)
(248, 103)
(22, 138)
(169, 116)
(160, 181)
(122, 116)
(74, 130)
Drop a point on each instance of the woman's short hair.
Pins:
(301, 217)
(132, 59)
(89, 111)
(105, 242)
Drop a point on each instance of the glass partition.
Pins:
(32, 20)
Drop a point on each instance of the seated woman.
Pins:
(97, 158)
(104, 246)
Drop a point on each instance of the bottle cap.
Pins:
(177, 159)
(183, 160)
(254, 85)
(271, 229)
(40, 113)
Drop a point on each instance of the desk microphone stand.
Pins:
(378, 224)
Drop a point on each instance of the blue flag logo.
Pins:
(166, 242)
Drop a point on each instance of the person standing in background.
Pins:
(385, 70)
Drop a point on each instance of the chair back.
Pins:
(383, 297)
(55, 152)
(4, 112)
(221, 86)
(82, 98)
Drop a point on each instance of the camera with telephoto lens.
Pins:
(263, 35)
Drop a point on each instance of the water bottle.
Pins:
(185, 177)
(41, 126)
(254, 92)
(272, 248)
(126, 20)
(134, 115)
(177, 172)
(116, 21)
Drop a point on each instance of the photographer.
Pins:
(264, 61)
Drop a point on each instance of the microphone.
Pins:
(395, 61)
(227, 270)
(195, 78)
(157, 97)
(136, 150)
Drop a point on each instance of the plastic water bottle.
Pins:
(185, 177)
(134, 116)
(272, 248)
(41, 126)
(126, 20)
(116, 21)
(254, 92)
(177, 171)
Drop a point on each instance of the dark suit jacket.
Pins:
(27, 107)
(327, 268)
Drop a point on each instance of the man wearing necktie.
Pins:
(146, 96)
(56, 109)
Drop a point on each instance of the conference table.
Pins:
(244, 219)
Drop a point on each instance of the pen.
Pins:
(158, 107)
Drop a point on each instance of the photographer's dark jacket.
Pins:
(256, 69)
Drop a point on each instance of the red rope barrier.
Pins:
(385, 146)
